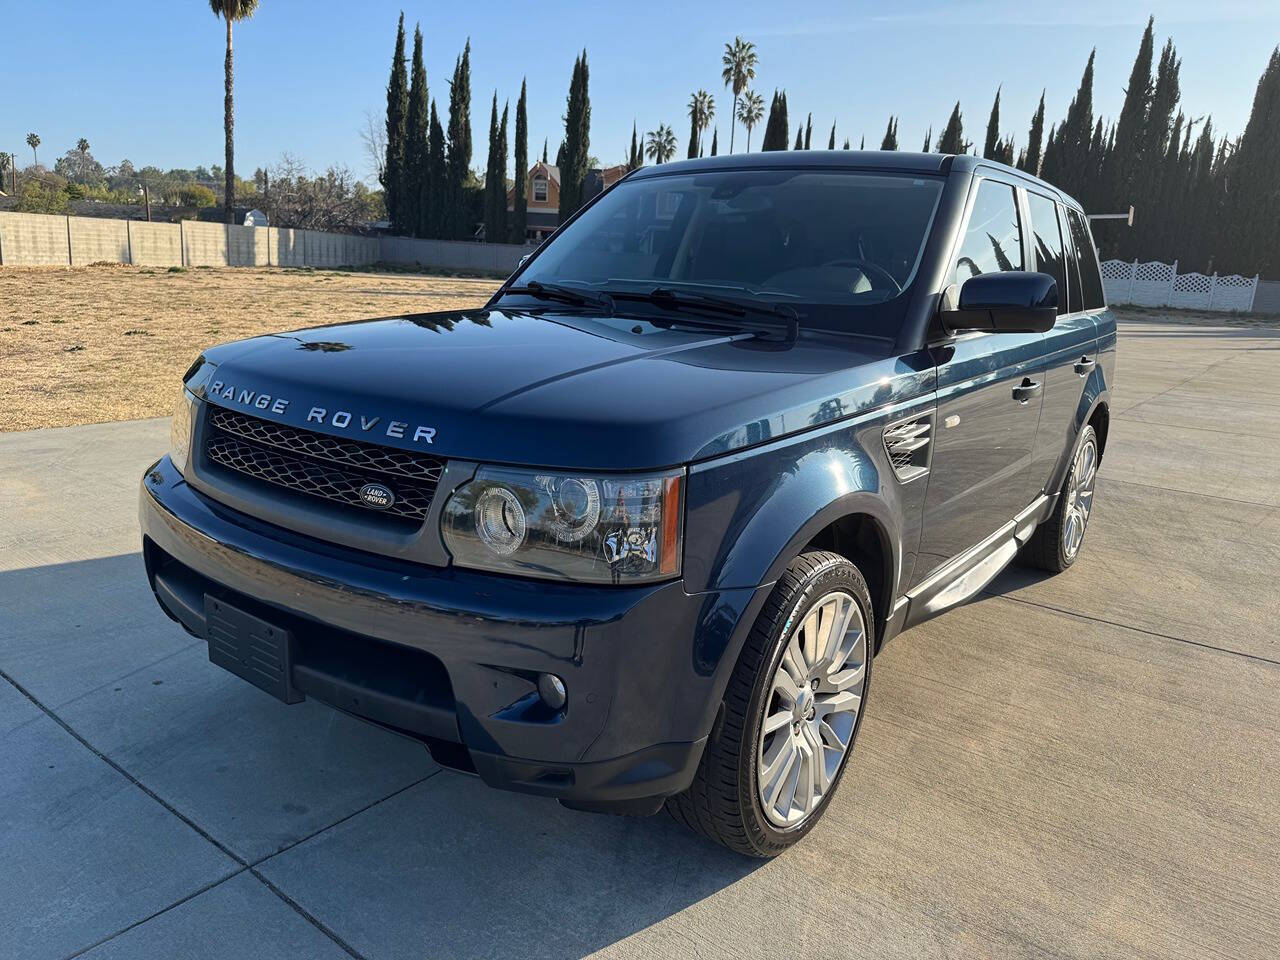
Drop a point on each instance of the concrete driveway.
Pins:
(1087, 765)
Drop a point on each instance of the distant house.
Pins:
(542, 196)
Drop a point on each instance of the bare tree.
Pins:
(374, 137)
(333, 200)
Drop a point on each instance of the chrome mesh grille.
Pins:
(339, 450)
(907, 444)
(318, 465)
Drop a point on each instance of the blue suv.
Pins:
(631, 534)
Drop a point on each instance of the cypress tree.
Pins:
(439, 211)
(846, 144)
(1049, 165)
(413, 208)
(1126, 164)
(503, 222)
(560, 158)
(459, 159)
(491, 177)
(928, 137)
(1030, 159)
(633, 157)
(544, 149)
(1075, 135)
(991, 146)
(777, 135)
(952, 139)
(831, 143)
(1253, 210)
(862, 145)
(715, 141)
(520, 215)
(799, 140)
(890, 141)
(397, 110)
(808, 131)
(577, 139)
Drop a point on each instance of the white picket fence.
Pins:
(1157, 284)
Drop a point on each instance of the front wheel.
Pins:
(791, 712)
(1056, 542)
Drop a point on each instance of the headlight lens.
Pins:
(180, 430)
(595, 529)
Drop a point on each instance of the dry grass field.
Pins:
(94, 344)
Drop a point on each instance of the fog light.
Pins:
(551, 690)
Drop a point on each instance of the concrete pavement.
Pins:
(1084, 765)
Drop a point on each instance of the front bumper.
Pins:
(451, 656)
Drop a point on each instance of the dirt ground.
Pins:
(97, 344)
(105, 343)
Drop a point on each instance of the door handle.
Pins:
(1084, 365)
(1026, 390)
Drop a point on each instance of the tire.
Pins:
(725, 802)
(1050, 547)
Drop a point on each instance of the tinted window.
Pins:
(993, 240)
(821, 241)
(1090, 278)
(1073, 264)
(1047, 241)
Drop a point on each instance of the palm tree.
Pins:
(750, 112)
(231, 11)
(33, 141)
(702, 109)
(740, 62)
(660, 144)
(82, 146)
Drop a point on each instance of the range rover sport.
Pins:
(631, 534)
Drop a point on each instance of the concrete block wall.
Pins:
(247, 246)
(155, 244)
(33, 240)
(204, 244)
(95, 241)
(453, 255)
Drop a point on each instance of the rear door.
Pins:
(990, 387)
(1070, 347)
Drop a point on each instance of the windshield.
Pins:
(820, 241)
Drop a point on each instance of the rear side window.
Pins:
(1090, 278)
(1049, 255)
(993, 239)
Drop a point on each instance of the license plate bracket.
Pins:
(251, 648)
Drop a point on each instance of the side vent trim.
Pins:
(909, 446)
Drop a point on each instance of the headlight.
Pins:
(180, 430)
(598, 529)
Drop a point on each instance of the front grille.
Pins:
(318, 465)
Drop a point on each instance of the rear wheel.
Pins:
(1056, 543)
(790, 714)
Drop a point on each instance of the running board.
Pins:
(964, 576)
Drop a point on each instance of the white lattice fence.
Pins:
(1157, 284)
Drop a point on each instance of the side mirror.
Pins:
(1015, 301)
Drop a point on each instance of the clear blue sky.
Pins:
(144, 81)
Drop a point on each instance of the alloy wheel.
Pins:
(811, 709)
(1084, 475)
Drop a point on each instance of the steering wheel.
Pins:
(867, 266)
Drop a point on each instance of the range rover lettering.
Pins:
(631, 534)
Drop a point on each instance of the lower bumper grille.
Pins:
(320, 465)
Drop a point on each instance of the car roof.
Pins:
(880, 160)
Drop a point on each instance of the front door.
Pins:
(990, 388)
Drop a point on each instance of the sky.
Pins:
(144, 81)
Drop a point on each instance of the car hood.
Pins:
(553, 389)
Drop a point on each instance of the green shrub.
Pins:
(35, 197)
(194, 195)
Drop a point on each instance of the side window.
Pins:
(1050, 256)
(1090, 277)
(1073, 263)
(993, 240)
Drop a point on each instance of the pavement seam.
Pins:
(204, 834)
(177, 903)
(1186, 493)
(307, 915)
(1186, 426)
(1126, 626)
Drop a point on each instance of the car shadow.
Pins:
(346, 819)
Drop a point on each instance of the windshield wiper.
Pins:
(563, 294)
(728, 306)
